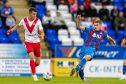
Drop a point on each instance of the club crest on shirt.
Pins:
(96, 36)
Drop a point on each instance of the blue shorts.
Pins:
(86, 51)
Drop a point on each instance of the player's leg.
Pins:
(33, 66)
(32, 63)
(82, 62)
(36, 47)
(86, 54)
(37, 61)
(124, 67)
(30, 51)
(80, 69)
(81, 74)
(124, 71)
(37, 54)
(83, 59)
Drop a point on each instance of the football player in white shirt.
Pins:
(33, 34)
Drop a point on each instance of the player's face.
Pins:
(33, 14)
(97, 26)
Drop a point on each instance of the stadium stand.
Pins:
(7, 17)
(65, 34)
(111, 10)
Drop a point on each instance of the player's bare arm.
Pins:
(78, 22)
(41, 34)
(12, 29)
(111, 40)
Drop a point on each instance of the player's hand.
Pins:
(9, 32)
(42, 38)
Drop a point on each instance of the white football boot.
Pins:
(35, 77)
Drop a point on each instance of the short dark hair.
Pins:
(32, 9)
(10, 13)
(97, 20)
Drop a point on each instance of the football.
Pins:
(47, 76)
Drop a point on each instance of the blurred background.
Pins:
(63, 40)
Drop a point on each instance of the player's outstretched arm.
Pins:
(41, 33)
(15, 27)
(78, 22)
(12, 29)
(111, 40)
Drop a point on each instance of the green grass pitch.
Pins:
(59, 80)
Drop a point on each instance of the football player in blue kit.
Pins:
(93, 38)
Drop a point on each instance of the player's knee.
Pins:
(37, 63)
(31, 55)
(87, 57)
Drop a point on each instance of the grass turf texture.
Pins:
(59, 80)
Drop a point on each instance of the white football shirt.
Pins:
(33, 36)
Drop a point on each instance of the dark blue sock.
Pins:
(124, 69)
(80, 65)
(81, 74)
